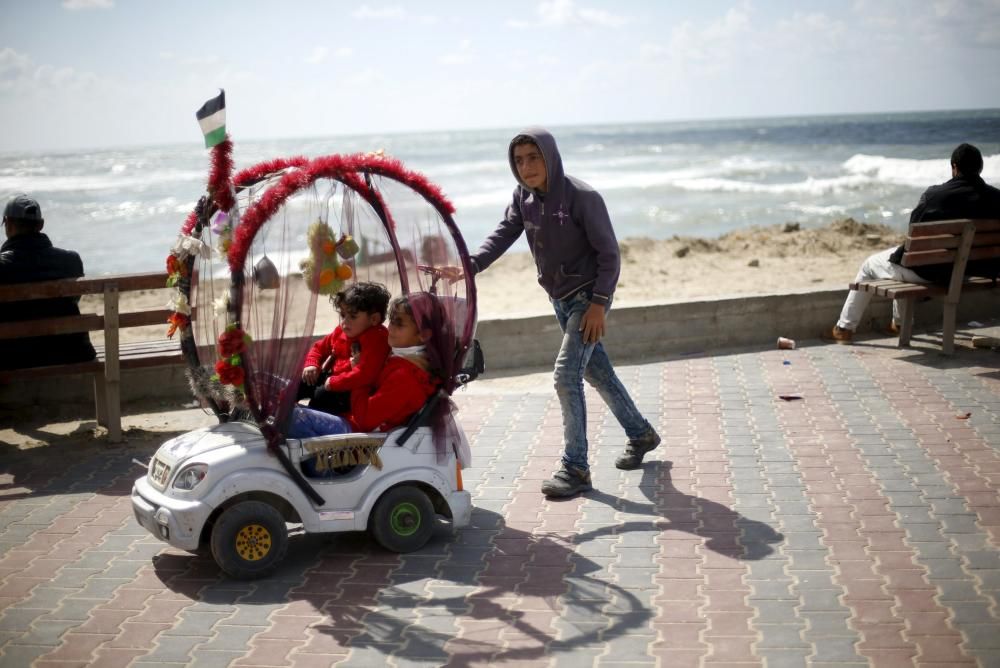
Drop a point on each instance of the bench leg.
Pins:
(101, 399)
(113, 391)
(948, 328)
(905, 322)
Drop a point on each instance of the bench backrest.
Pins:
(941, 242)
(109, 286)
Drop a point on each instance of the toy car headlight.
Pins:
(190, 476)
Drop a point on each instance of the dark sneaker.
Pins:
(567, 481)
(636, 449)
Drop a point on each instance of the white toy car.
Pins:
(219, 488)
(233, 488)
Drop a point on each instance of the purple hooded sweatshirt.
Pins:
(569, 231)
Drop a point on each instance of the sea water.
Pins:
(122, 208)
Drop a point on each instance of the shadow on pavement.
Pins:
(517, 596)
(725, 531)
(75, 462)
(408, 605)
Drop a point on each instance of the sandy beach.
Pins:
(756, 260)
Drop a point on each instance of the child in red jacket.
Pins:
(407, 379)
(352, 356)
(405, 383)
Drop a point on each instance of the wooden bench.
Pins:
(112, 356)
(950, 241)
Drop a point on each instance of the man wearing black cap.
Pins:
(28, 256)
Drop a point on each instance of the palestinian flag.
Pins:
(212, 118)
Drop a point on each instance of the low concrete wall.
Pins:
(645, 333)
(640, 333)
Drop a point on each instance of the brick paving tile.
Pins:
(859, 526)
(114, 657)
(266, 652)
(303, 660)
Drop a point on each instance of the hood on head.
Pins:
(550, 152)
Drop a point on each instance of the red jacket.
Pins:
(374, 344)
(400, 391)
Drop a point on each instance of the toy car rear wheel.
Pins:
(403, 519)
(249, 540)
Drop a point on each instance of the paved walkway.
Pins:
(856, 525)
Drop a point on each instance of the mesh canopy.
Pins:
(301, 230)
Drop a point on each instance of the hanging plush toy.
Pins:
(323, 270)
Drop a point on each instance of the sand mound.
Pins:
(842, 237)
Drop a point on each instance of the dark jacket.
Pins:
(961, 197)
(568, 228)
(28, 258)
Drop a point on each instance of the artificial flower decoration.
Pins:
(179, 303)
(177, 321)
(232, 342)
(229, 369)
(230, 374)
(187, 246)
(222, 228)
(176, 270)
(221, 304)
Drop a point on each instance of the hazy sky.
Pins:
(99, 73)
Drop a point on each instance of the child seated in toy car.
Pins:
(352, 356)
(409, 377)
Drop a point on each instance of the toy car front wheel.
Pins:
(249, 540)
(403, 519)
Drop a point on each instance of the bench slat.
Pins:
(953, 227)
(76, 287)
(948, 241)
(923, 258)
(891, 288)
(85, 322)
(7, 375)
(145, 347)
(69, 324)
(141, 348)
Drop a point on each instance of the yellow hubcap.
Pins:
(253, 542)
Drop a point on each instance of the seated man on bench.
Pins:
(27, 256)
(966, 195)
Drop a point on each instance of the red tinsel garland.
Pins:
(335, 167)
(262, 170)
(344, 168)
(219, 186)
(190, 222)
(394, 169)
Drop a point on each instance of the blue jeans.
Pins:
(579, 361)
(309, 423)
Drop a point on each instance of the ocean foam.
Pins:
(53, 184)
(810, 186)
(911, 172)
